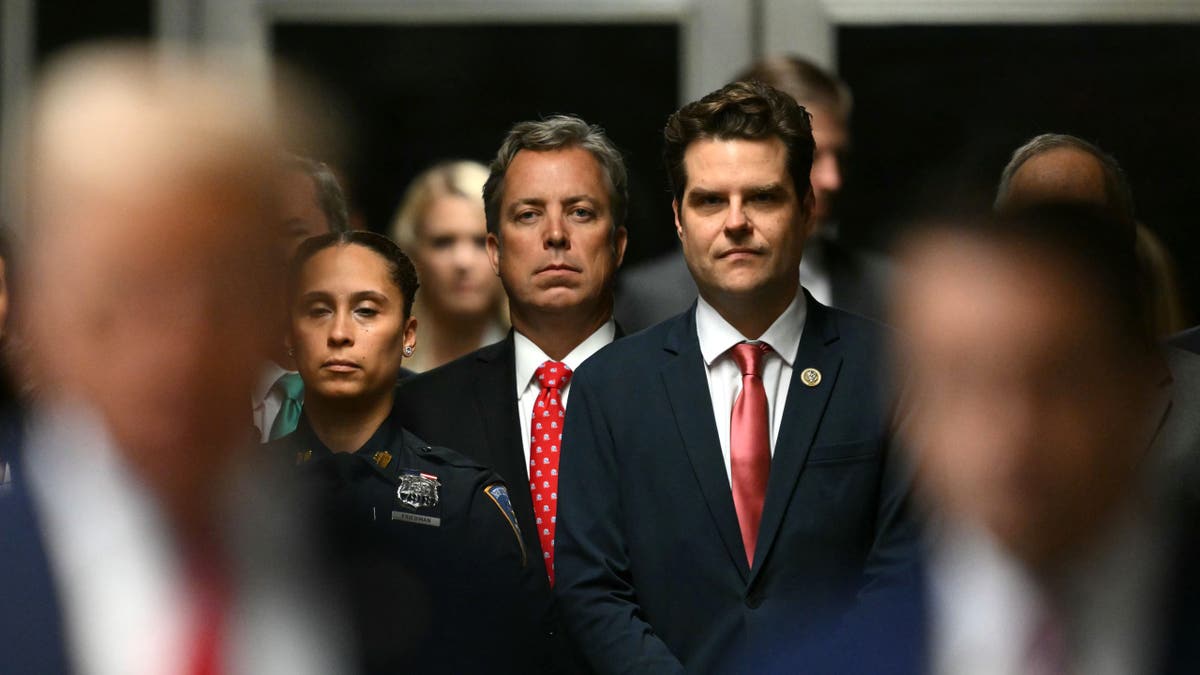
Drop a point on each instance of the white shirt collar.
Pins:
(530, 356)
(268, 375)
(718, 336)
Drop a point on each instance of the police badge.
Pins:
(418, 490)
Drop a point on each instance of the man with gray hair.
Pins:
(555, 202)
(1064, 168)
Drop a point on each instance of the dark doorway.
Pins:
(412, 95)
(939, 109)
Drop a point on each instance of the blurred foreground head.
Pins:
(151, 231)
(1033, 376)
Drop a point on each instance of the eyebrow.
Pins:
(701, 193)
(536, 201)
(528, 201)
(769, 187)
(358, 296)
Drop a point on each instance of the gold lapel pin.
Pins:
(810, 377)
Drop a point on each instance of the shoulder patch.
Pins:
(498, 493)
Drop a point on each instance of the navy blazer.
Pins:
(31, 631)
(651, 572)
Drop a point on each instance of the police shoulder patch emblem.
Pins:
(499, 496)
(418, 490)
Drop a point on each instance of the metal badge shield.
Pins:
(418, 490)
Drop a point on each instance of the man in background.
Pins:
(311, 202)
(1060, 168)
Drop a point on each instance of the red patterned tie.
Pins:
(545, 439)
(750, 443)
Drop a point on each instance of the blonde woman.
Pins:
(441, 225)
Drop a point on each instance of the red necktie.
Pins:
(1047, 652)
(750, 443)
(545, 439)
(211, 598)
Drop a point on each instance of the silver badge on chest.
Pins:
(418, 490)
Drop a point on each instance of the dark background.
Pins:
(410, 96)
(938, 109)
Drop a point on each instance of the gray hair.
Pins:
(555, 133)
(330, 198)
(1116, 188)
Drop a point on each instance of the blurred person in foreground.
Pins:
(426, 538)
(732, 469)
(141, 535)
(555, 200)
(1059, 168)
(1036, 389)
(834, 273)
(310, 203)
(442, 225)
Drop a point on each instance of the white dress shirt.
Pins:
(267, 401)
(122, 588)
(717, 338)
(529, 357)
(985, 607)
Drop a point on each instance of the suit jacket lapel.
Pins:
(801, 416)
(686, 382)
(496, 404)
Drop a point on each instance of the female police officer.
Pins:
(425, 538)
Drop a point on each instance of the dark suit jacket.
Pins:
(470, 404)
(652, 574)
(31, 631)
(890, 632)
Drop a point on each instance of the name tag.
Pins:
(417, 518)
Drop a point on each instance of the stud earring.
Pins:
(408, 351)
(291, 352)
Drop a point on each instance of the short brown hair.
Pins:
(741, 110)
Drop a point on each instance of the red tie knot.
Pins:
(749, 357)
(553, 375)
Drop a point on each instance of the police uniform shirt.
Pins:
(430, 548)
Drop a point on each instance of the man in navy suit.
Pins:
(730, 471)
